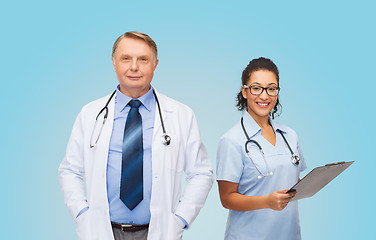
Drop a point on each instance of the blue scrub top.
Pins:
(234, 165)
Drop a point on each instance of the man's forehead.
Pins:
(134, 48)
(132, 43)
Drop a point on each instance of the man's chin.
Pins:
(134, 89)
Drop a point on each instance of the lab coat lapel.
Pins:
(166, 111)
(107, 128)
(159, 150)
(100, 154)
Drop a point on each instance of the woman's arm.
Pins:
(231, 199)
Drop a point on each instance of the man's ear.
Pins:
(113, 61)
(156, 64)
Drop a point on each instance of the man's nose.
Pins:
(134, 65)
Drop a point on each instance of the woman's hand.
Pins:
(278, 200)
(231, 199)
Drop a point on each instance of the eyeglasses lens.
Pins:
(271, 91)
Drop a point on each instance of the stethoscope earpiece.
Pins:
(269, 174)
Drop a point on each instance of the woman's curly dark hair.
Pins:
(255, 65)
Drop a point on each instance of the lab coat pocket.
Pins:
(83, 226)
(174, 154)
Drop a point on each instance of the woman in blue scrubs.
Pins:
(254, 185)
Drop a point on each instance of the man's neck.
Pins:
(134, 92)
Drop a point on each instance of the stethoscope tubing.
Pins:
(249, 140)
(166, 139)
(294, 158)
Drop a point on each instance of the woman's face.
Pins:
(259, 106)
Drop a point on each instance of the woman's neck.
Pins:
(263, 122)
(267, 130)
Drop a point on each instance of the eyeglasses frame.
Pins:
(263, 88)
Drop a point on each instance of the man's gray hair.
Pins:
(137, 35)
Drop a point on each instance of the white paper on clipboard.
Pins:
(317, 179)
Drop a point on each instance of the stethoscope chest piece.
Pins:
(295, 159)
(166, 140)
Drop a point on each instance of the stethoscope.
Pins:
(165, 139)
(295, 159)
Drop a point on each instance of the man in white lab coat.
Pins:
(121, 177)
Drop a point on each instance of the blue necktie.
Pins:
(131, 185)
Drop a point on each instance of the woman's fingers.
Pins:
(280, 199)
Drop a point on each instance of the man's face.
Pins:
(134, 62)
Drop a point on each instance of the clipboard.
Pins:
(318, 178)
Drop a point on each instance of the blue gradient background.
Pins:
(56, 57)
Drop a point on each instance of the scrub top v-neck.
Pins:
(234, 165)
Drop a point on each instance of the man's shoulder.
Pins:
(93, 107)
(170, 104)
(98, 102)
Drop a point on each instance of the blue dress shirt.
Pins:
(118, 211)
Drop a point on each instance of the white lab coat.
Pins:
(186, 153)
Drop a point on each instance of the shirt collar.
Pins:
(277, 126)
(253, 128)
(122, 100)
(250, 124)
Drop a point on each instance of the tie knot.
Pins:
(134, 103)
